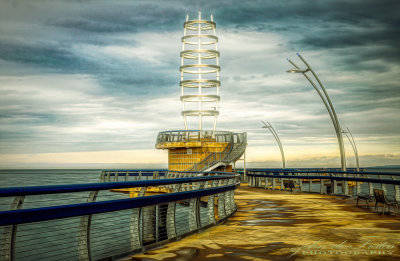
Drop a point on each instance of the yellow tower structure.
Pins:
(200, 150)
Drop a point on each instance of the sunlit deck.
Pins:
(275, 225)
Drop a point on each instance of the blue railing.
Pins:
(57, 226)
(352, 183)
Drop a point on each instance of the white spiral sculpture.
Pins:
(199, 71)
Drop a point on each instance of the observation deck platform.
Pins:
(277, 225)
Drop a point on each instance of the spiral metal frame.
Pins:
(199, 70)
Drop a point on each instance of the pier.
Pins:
(200, 215)
(278, 225)
(202, 207)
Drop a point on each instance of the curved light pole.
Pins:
(353, 145)
(272, 130)
(327, 102)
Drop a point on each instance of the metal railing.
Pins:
(233, 151)
(212, 159)
(131, 175)
(194, 135)
(352, 183)
(89, 222)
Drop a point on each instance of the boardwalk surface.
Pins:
(273, 225)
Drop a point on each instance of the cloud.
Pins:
(98, 76)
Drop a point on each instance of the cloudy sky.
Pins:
(91, 83)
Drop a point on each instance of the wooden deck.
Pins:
(275, 225)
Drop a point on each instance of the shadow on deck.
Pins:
(275, 225)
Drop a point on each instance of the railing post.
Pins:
(273, 182)
(232, 198)
(345, 185)
(310, 184)
(10, 232)
(84, 252)
(266, 182)
(157, 223)
(383, 186)
(300, 182)
(321, 189)
(108, 176)
(194, 211)
(171, 225)
(334, 187)
(396, 191)
(102, 176)
(358, 185)
(126, 175)
(221, 202)
(134, 227)
(228, 203)
(116, 176)
(155, 175)
(281, 179)
(211, 205)
(371, 188)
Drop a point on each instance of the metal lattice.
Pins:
(200, 71)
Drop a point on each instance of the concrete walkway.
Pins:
(274, 225)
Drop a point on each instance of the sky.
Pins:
(89, 84)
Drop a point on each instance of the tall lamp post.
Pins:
(272, 130)
(353, 145)
(327, 102)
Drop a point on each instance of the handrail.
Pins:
(193, 135)
(352, 183)
(323, 171)
(54, 189)
(227, 154)
(206, 162)
(384, 181)
(22, 216)
(77, 226)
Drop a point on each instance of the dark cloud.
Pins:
(385, 39)
(350, 39)
(123, 17)
(88, 25)
(321, 25)
(44, 54)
